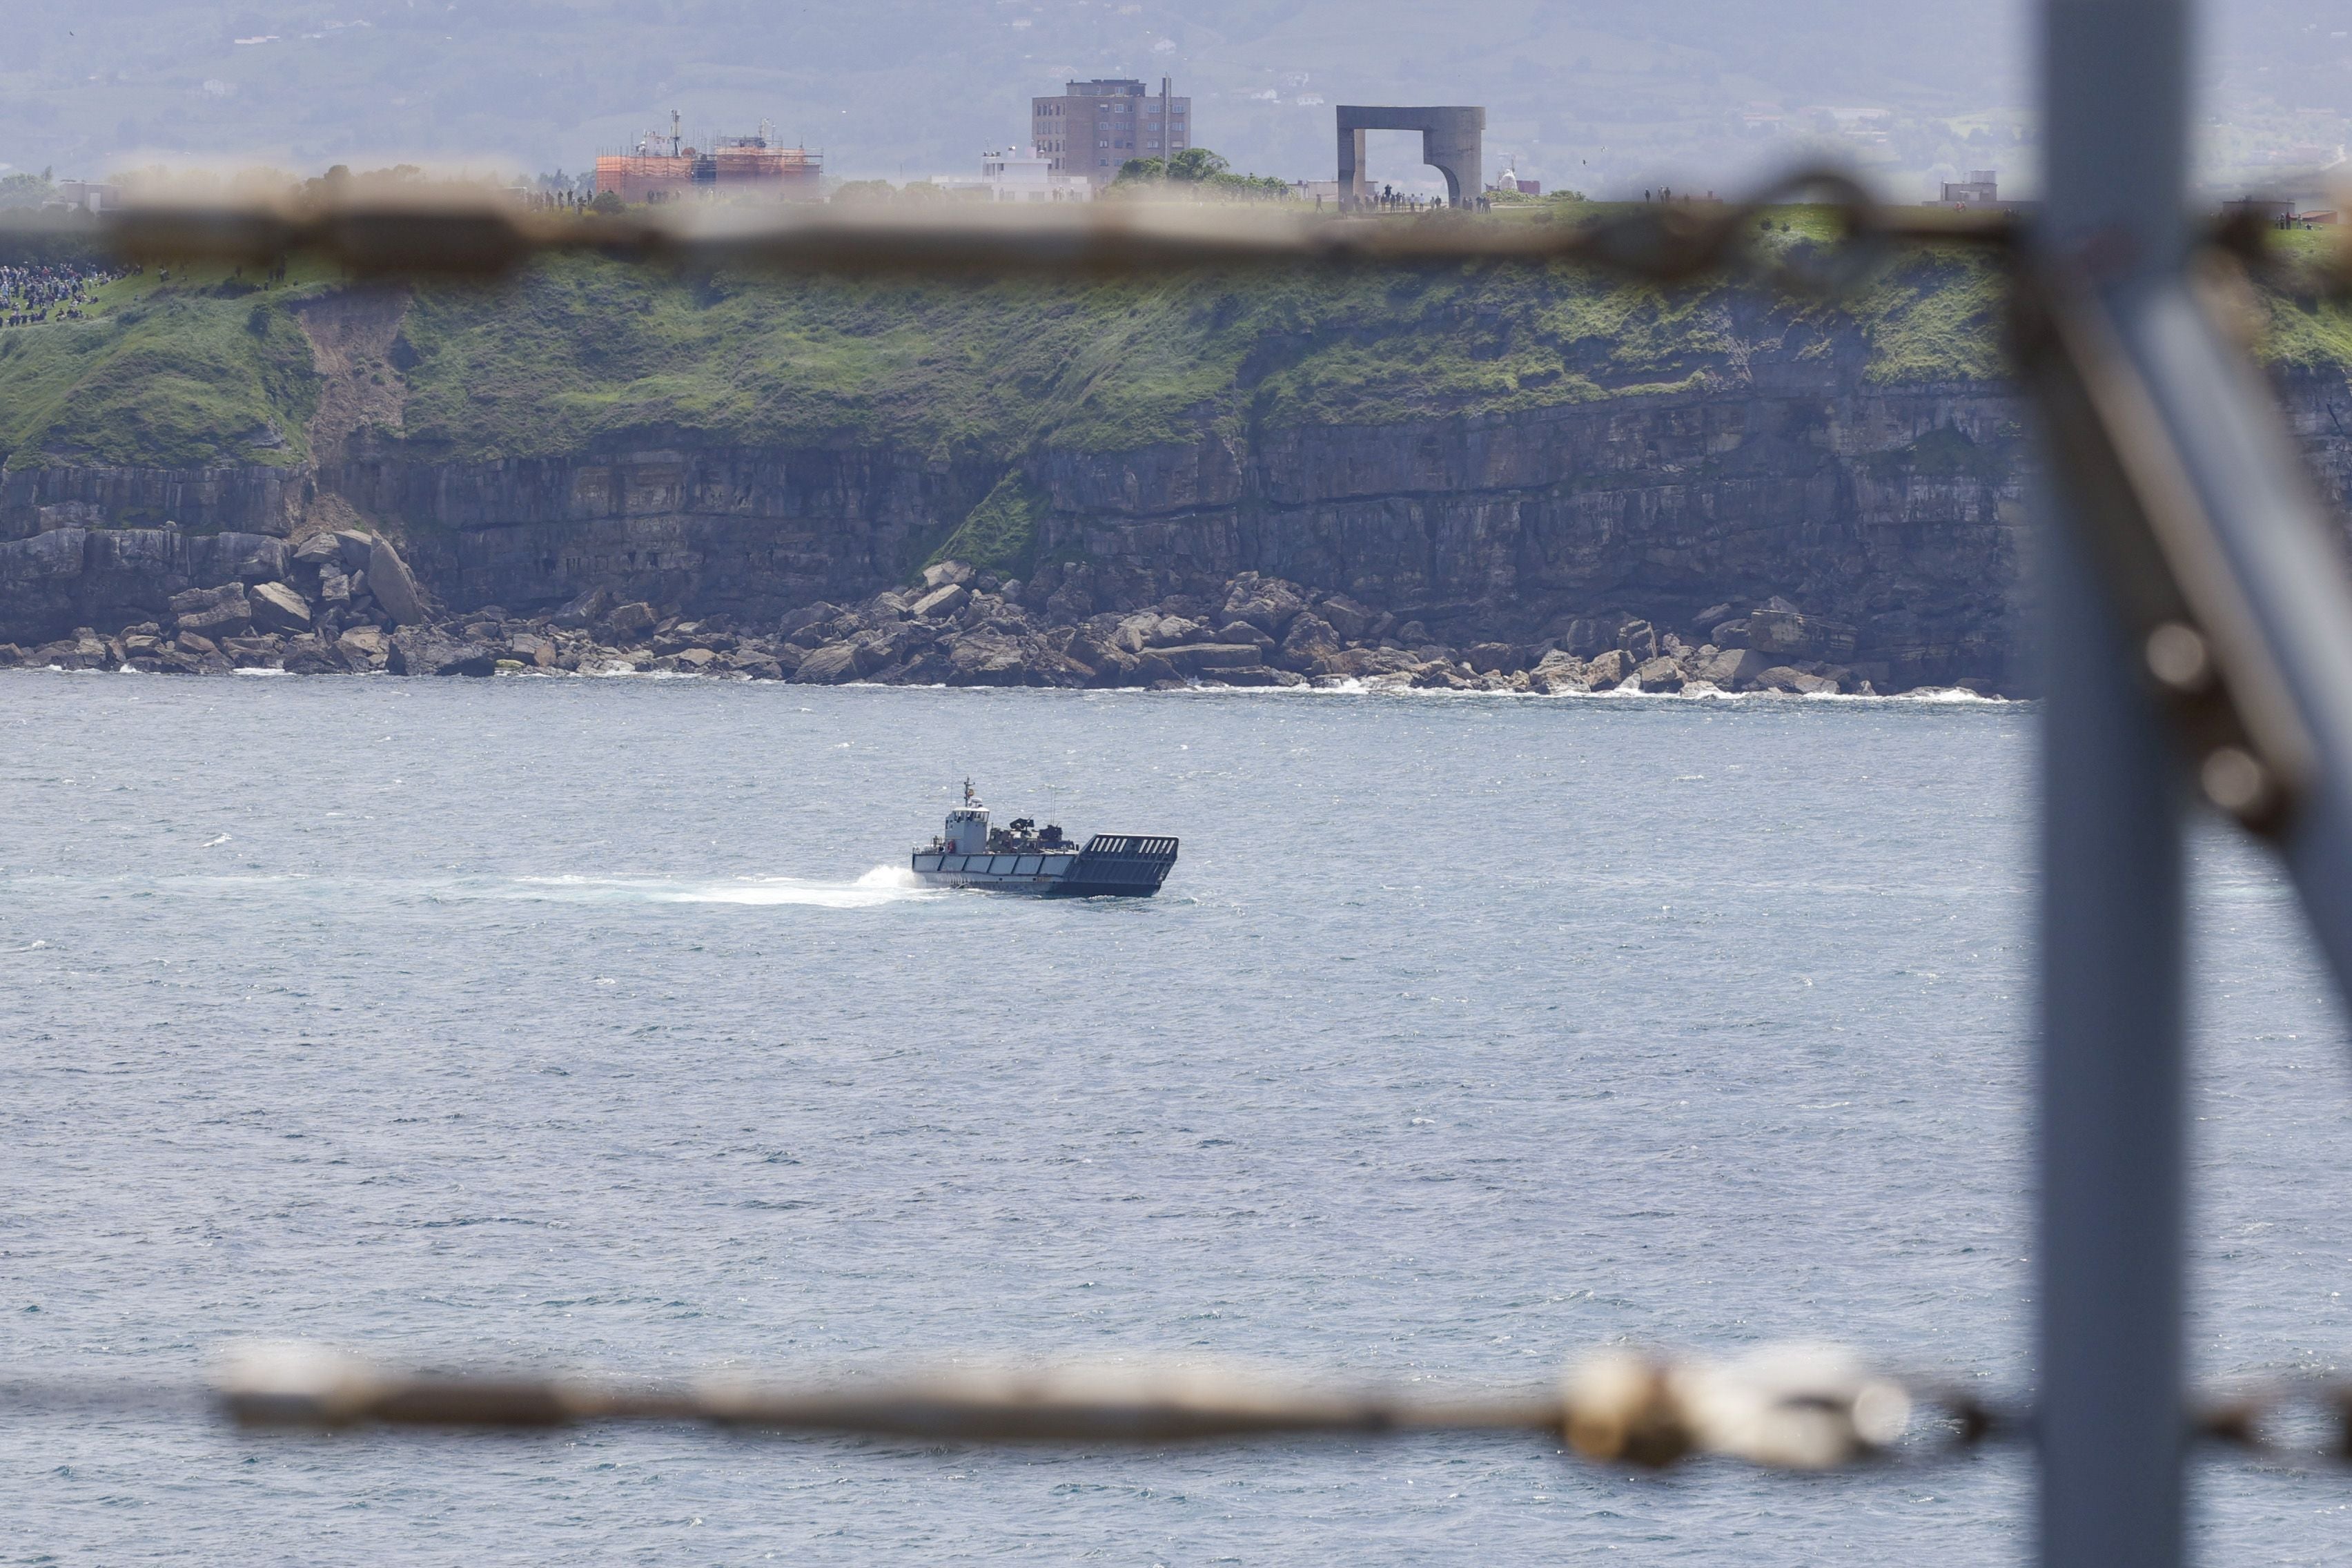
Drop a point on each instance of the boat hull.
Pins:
(1111, 866)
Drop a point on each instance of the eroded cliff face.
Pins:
(754, 532)
(253, 499)
(1898, 512)
(1895, 509)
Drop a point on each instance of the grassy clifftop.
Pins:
(204, 369)
(162, 377)
(580, 351)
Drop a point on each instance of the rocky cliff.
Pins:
(1502, 459)
(1896, 510)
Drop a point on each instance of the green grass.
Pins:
(579, 354)
(1001, 533)
(190, 375)
(2305, 324)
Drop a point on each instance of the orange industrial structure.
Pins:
(664, 169)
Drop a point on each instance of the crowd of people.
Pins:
(1390, 199)
(58, 291)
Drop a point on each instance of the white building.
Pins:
(1028, 175)
(91, 195)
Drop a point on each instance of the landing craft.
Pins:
(1023, 857)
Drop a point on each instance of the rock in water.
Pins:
(277, 608)
(1727, 668)
(758, 667)
(1495, 657)
(532, 650)
(1783, 678)
(421, 650)
(1193, 658)
(1310, 638)
(213, 613)
(829, 665)
(308, 656)
(395, 589)
(364, 644)
(1660, 674)
(1558, 671)
(1607, 669)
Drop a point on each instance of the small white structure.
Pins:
(1981, 189)
(1024, 176)
(1509, 180)
(90, 195)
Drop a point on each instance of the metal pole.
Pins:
(2109, 1413)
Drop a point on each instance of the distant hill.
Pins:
(1602, 94)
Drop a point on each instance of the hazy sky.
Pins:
(1605, 94)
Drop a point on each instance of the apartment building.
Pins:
(1095, 126)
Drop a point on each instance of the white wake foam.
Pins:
(882, 885)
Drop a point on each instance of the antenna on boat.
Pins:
(967, 792)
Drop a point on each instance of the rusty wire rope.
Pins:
(465, 231)
(458, 231)
(1794, 1407)
(1790, 1406)
(1779, 1407)
(1783, 1407)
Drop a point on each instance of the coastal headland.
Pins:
(1472, 474)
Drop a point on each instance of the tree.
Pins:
(1192, 166)
(1196, 165)
(22, 190)
(608, 202)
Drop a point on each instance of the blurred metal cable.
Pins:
(1797, 1406)
(1786, 1407)
(455, 231)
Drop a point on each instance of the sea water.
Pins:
(592, 1024)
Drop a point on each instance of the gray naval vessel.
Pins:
(1022, 857)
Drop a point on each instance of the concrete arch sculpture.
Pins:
(1452, 140)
